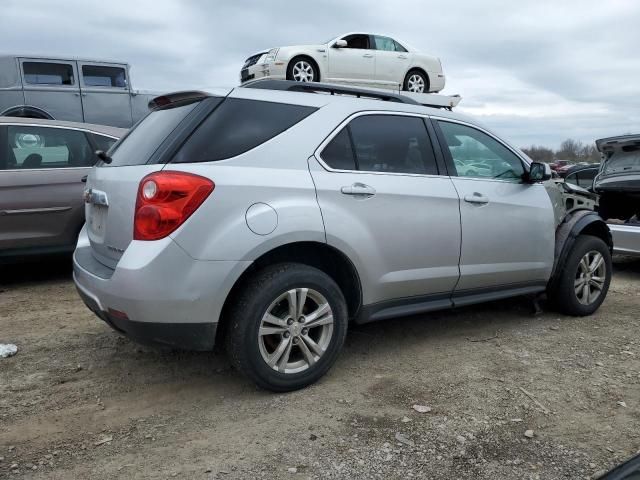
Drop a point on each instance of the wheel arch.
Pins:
(27, 111)
(322, 256)
(581, 222)
(315, 62)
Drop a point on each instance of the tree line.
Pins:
(572, 150)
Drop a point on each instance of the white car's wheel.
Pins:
(416, 82)
(302, 69)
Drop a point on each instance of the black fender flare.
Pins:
(27, 111)
(576, 224)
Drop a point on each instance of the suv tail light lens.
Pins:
(165, 200)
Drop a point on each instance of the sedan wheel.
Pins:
(415, 82)
(303, 71)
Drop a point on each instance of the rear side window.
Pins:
(383, 143)
(101, 76)
(237, 126)
(102, 142)
(43, 73)
(46, 147)
(140, 143)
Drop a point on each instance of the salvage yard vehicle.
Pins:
(618, 184)
(268, 218)
(76, 90)
(361, 59)
(42, 165)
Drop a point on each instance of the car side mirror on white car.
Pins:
(538, 172)
(340, 44)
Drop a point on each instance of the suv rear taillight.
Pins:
(165, 200)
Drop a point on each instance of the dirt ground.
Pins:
(79, 401)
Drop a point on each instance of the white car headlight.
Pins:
(271, 55)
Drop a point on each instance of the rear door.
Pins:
(384, 203)
(41, 173)
(106, 98)
(508, 227)
(392, 61)
(355, 62)
(52, 85)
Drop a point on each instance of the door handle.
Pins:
(402, 57)
(77, 94)
(358, 189)
(477, 198)
(84, 179)
(367, 55)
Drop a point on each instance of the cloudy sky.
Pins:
(536, 71)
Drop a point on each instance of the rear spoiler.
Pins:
(177, 98)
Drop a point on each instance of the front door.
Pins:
(106, 98)
(508, 227)
(52, 86)
(41, 171)
(385, 205)
(353, 63)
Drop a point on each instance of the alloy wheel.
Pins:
(415, 83)
(296, 330)
(303, 72)
(590, 277)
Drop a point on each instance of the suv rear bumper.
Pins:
(157, 293)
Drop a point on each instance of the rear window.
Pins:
(237, 126)
(137, 147)
(622, 162)
(101, 76)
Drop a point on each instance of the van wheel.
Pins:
(287, 327)
(583, 284)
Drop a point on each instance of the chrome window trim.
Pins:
(341, 125)
(8, 124)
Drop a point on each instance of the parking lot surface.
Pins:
(511, 395)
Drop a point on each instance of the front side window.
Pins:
(383, 143)
(45, 147)
(237, 126)
(101, 76)
(357, 41)
(478, 155)
(44, 73)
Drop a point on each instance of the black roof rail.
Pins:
(317, 87)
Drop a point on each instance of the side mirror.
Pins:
(539, 172)
(340, 44)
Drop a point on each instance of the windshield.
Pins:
(622, 162)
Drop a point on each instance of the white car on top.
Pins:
(354, 58)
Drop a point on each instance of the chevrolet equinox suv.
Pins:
(268, 218)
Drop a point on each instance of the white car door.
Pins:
(354, 63)
(392, 61)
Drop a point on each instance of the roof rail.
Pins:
(426, 99)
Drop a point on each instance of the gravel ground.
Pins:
(509, 394)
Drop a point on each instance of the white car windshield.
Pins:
(622, 162)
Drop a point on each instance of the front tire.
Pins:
(584, 282)
(287, 327)
(416, 82)
(302, 69)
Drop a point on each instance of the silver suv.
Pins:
(268, 218)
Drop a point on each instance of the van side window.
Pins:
(44, 147)
(101, 76)
(44, 73)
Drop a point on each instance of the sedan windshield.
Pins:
(622, 162)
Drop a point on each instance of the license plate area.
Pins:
(96, 221)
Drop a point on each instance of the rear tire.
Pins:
(416, 82)
(287, 326)
(583, 284)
